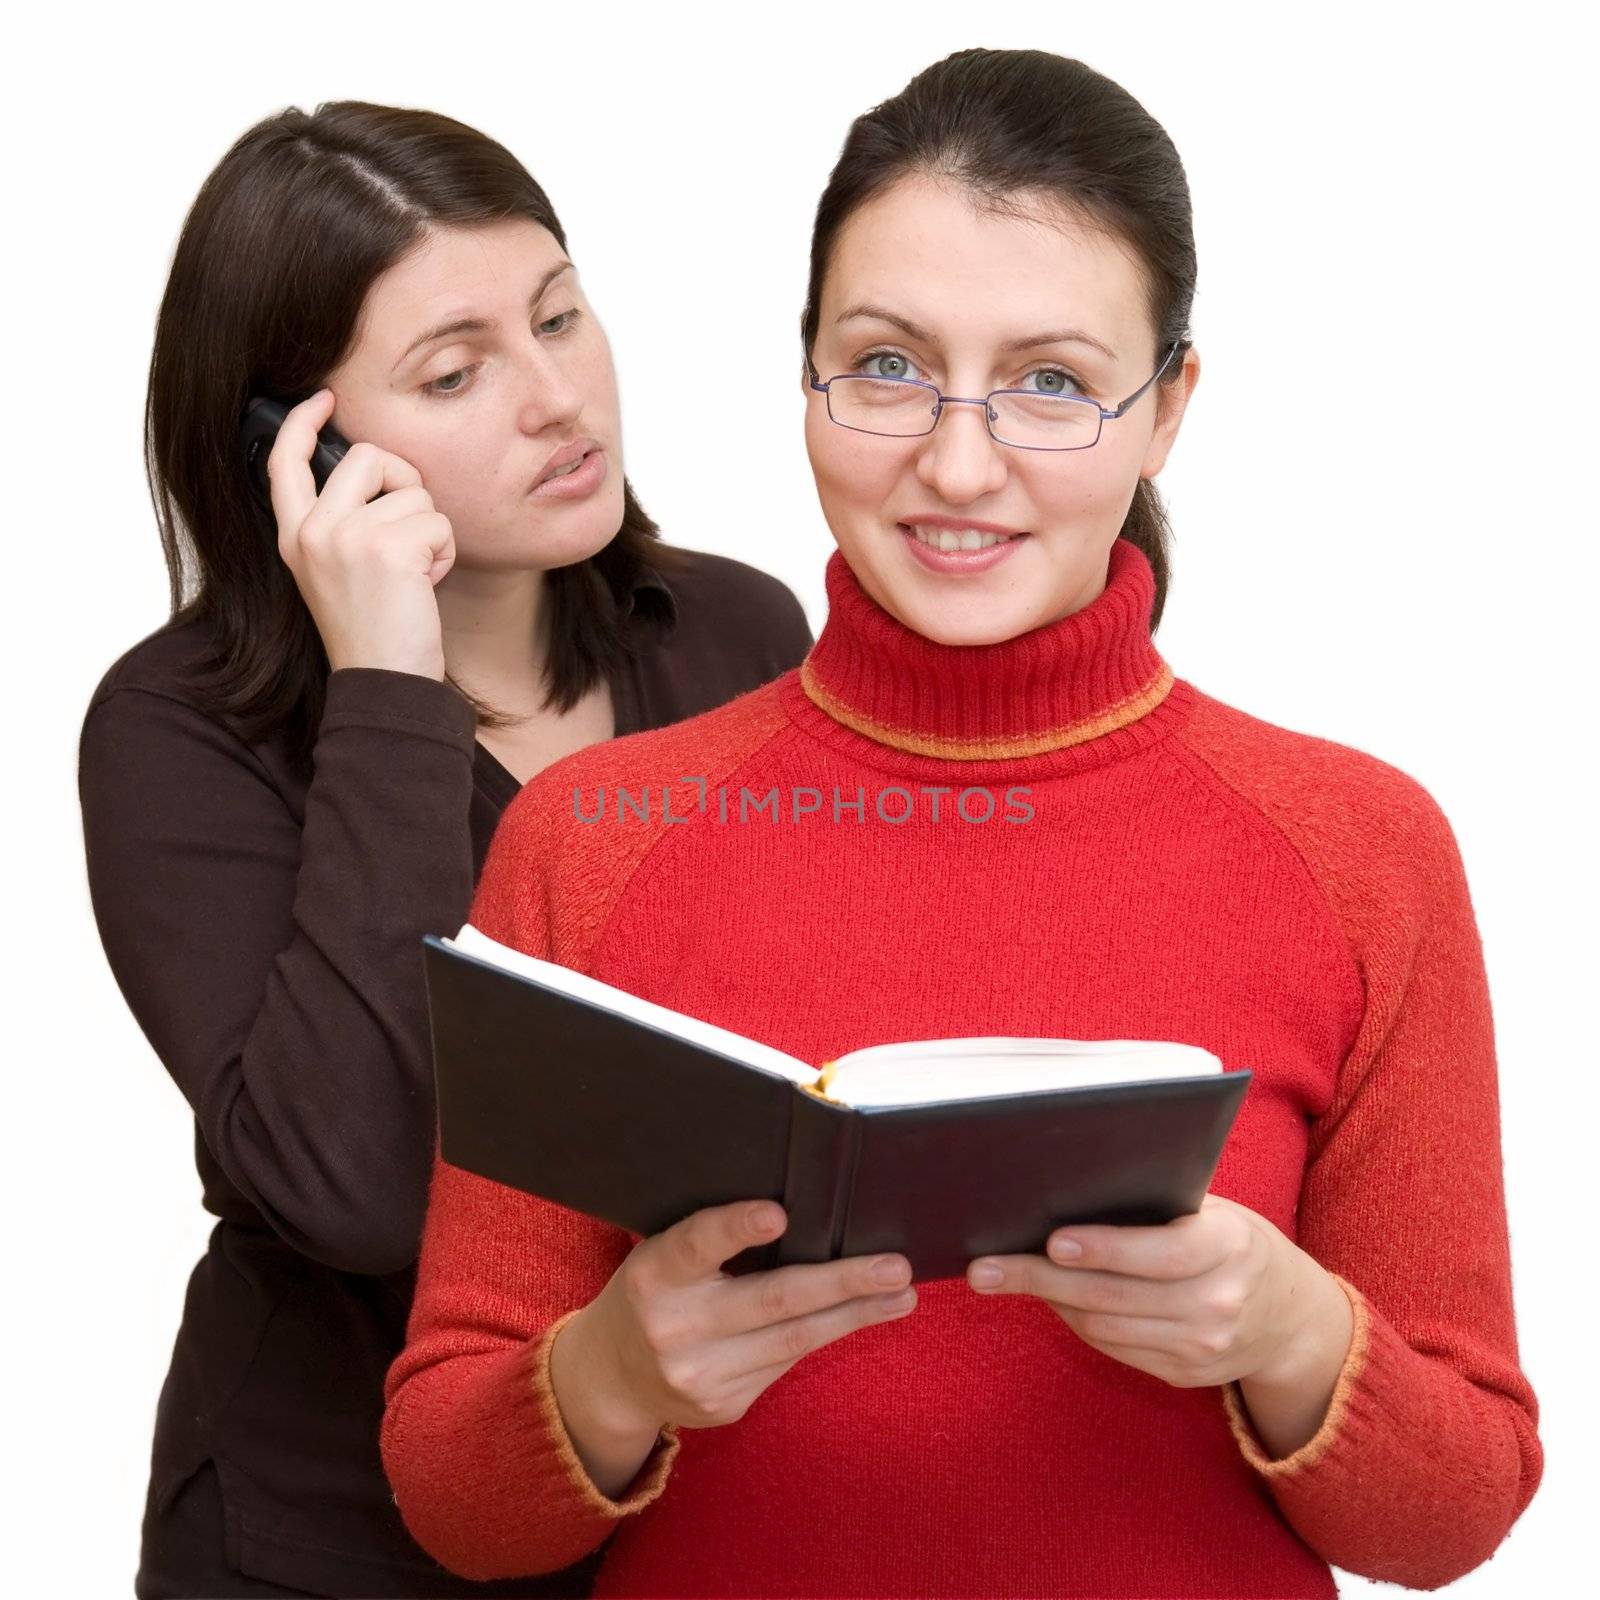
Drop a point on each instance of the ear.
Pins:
(1171, 401)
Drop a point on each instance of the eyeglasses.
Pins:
(1027, 419)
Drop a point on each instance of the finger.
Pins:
(1156, 1336)
(442, 542)
(398, 503)
(290, 484)
(1111, 1292)
(364, 473)
(1182, 1248)
(435, 540)
(784, 1343)
(415, 519)
(696, 1247)
(761, 1299)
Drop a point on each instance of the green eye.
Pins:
(444, 385)
(1052, 380)
(894, 366)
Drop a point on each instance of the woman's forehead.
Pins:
(939, 258)
(457, 275)
(491, 258)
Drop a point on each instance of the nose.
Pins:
(960, 460)
(552, 395)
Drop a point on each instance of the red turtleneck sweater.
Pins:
(1187, 872)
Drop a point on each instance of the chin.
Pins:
(969, 619)
(536, 549)
(567, 552)
(577, 534)
(972, 625)
(962, 614)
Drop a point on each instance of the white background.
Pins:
(1381, 502)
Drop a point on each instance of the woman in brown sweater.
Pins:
(295, 777)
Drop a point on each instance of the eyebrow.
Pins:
(475, 324)
(1029, 342)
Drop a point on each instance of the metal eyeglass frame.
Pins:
(940, 401)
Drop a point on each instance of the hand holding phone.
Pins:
(360, 534)
(258, 429)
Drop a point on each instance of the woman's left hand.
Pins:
(1204, 1299)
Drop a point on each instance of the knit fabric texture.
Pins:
(1049, 836)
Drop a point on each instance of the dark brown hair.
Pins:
(1008, 125)
(268, 278)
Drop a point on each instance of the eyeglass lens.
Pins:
(1047, 421)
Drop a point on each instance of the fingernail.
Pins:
(764, 1219)
(1065, 1249)
(888, 1270)
(987, 1275)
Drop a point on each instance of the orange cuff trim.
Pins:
(653, 1471)
(992, 748)
(1324, 1438)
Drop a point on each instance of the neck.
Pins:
(1072, 681)
(494, 627)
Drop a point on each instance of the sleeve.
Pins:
(274, 962)
(1428, 1452)
(484, 1473)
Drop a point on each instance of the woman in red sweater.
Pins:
(1320, 1365)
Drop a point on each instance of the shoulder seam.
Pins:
(117, 686)
(104, 696)
(238, 750)
(1186, 754)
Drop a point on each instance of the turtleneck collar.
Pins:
(1074, 680)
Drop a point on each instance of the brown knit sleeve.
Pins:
(273, 960)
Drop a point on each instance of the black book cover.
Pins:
(613, 1117)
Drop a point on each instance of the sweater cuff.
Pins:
(1348, 1393)
(377, 697)
(485, 1473)
(587, 1501)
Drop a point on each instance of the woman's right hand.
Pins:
(366, 571)
(673, 1339)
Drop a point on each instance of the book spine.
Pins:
(823, 1139)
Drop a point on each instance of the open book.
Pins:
(943, 1149)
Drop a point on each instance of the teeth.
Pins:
(561, 472)
(965, 539)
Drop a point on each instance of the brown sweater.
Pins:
(266, 933)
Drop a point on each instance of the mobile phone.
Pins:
(258, 427)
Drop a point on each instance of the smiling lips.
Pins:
(965, 539)
(947, 534)
(952, 547)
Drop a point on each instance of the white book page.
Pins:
(920, 1071)
(473, 942)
